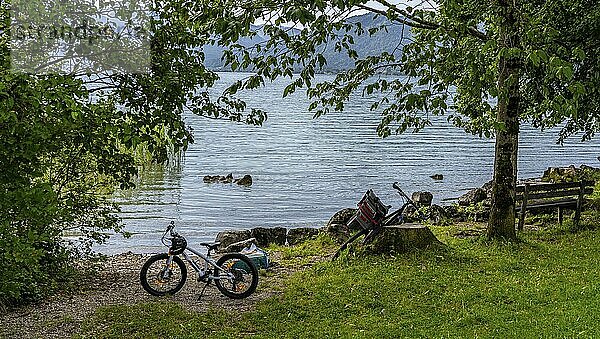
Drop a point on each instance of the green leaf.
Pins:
(535, 59)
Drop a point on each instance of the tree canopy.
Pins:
(450, 61)
(488, 66)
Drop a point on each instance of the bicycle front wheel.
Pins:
(239, 276)
(160, 278)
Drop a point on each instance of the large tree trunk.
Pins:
(502, 214)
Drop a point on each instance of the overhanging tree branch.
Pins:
(405, 21)
(415, 21)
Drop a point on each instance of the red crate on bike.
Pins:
(371, 211)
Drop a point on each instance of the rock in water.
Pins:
(422, 198)
(212, 179)
(209, 179)
(301, 234)
(228, 179)
(245, 181)
(403, 238)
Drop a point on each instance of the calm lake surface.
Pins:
(304, 170)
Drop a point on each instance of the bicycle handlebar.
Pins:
(408, 200)
(170, 229)
(400, 191)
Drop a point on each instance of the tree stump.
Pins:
(403, 238)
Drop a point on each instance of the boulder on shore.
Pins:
(422, 198)
(227, 238)
(337, 227)
(473, 197)
(265, 236)
(454, 213)
(237, 246)
(571, 173)
(437, 214)
(342, 216)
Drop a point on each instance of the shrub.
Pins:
(32, 260)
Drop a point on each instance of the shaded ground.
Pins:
(117, 283)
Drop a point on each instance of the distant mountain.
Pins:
(213, 54)
(381, 41)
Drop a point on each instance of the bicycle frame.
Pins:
(207, 261)
(398, 212)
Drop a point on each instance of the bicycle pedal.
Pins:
(204, 278)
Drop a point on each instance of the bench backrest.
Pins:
(550, 190)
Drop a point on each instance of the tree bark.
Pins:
(502, 213)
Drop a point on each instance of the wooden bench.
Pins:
(567, 195)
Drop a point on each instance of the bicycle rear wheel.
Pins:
(239, 276)
(158, 278)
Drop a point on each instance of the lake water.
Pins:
(304, 170)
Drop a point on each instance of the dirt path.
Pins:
(117, 283)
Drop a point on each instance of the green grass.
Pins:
(305, 252)
(543, 287)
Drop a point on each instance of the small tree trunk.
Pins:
(502, 213)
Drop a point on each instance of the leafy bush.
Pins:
(595, 197)
(30, 251)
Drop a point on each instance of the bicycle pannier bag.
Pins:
(370, 211)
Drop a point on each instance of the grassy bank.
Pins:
(545, 286)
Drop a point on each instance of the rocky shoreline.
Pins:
(478, 200)
(472, 206)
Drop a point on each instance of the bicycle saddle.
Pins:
(211, 246)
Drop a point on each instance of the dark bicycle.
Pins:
(372, 215)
